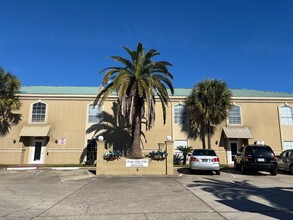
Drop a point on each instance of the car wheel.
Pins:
(218, 172)
(243, 169)
(274, 172)
(291, 169)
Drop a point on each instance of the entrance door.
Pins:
(233, 147)
(37, 152)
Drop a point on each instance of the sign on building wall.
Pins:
(62, 141)
(137, 163)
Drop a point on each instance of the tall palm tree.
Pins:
(208, 105)
(137, 83)
(9, 102)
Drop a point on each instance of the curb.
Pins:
(65, 168)
(20, 168)
(44, 168)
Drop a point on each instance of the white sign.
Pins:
(137, 163)
(62, 141)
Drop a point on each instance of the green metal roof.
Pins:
(86, 90)
(58, 90)
(259, 93)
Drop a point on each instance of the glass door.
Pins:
(37, 152)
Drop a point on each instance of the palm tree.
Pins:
(184, 150)
(9, 102)
(208, 105)
(137, 83)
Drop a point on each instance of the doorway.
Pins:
(233, 147)
(37, 152)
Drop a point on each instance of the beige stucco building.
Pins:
(54, 121)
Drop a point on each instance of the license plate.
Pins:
(204, 160)
(261, 159)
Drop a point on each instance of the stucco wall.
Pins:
(68, 118)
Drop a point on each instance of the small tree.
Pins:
(9, 102)
(208, 105)
(184, 150)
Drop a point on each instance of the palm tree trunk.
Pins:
(202, 134)
(135, 151)
(209, 135)
(184, 159)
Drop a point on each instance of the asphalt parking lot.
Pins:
(76, 194)
(257, 195)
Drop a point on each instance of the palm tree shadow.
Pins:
(89, 153)
(114, 128)
(193, 131)
(237, 196)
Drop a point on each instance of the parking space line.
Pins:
(38, 172)
(234, 176)
(90, 173)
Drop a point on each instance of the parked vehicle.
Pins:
(256, 158)
(203, 159)
(285, 161)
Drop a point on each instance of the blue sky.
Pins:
(248, 44)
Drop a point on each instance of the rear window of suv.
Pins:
(259, 150)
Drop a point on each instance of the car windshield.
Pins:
(204, 153)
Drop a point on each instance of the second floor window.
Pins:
(180, 114)
(286, 115)
(234, 117)
(39, 112)
(94, 111)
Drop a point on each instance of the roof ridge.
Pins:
(255, 90)
(59, 86)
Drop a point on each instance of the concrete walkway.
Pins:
(47, 194)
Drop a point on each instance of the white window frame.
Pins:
(236, 120)
(92, 114)
(180, 118)
(286, 119)
(287, 145)
(40, 114)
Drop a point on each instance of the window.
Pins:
(39, 112)
(94, 112)
(180, 114)
(286, 115)
(234, 117)
(288, 145)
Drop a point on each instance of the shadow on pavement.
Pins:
(237, 195)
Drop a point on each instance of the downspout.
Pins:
(172, 120)
(280, 129)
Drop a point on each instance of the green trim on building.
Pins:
(84, 90)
